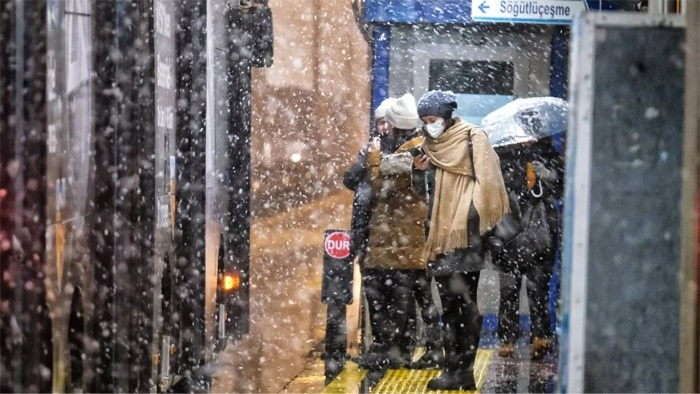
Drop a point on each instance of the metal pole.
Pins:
(336, 340)
(19, 295)
(689, 312)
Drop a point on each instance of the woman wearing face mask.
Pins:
(467, 198)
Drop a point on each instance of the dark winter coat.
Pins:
(397, 234)
(356, 179)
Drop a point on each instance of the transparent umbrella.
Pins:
(525, 120)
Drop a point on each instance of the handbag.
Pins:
(535, 236)
(510, 225)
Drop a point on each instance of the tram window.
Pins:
(481, 86)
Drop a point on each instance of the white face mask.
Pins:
(435, 129)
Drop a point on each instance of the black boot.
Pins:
(431, 359)
(455, 377)
(459, 365)
(459, 361)
(454, 380)
(375, 359)
(397, 358)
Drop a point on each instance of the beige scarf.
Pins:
(455, 189)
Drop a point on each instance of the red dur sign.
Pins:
(338, 245)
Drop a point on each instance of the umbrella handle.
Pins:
(538, 195)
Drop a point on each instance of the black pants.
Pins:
(538, 272)
(422, 294)
(461, 319)
(391, 295)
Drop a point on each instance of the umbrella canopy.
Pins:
(525, 120)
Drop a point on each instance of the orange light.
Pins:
(231, 282)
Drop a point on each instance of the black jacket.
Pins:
(514, 159)
(356, 180)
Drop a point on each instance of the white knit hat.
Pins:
(403, 113)
(380, 112)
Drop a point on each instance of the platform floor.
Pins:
(494, 374)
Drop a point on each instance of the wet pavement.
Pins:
(287, 319)
(519, 374)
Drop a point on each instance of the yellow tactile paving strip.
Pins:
(415, 381)
(348, 381)
(310, 380)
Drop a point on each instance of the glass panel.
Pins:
(481, 86)
(473, 107)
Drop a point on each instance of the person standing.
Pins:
(534, 172)
(467, 198)
(392, 264)
(355, 179)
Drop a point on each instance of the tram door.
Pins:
(624, 226)
(486, 67)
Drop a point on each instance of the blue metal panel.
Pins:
(556, 277)
(565, 263)
(595, 5)
(558, 75)
(558, 68)
(558, 72)
(419, 11)
(380, 65)
(438, 11)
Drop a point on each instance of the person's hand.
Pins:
(421, 162)
(538, 167)
(375, 145)
(542, 171)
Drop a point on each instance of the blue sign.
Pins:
(419, 11)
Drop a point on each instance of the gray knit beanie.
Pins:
(437, 103)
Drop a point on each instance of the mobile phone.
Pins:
(416, 151)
